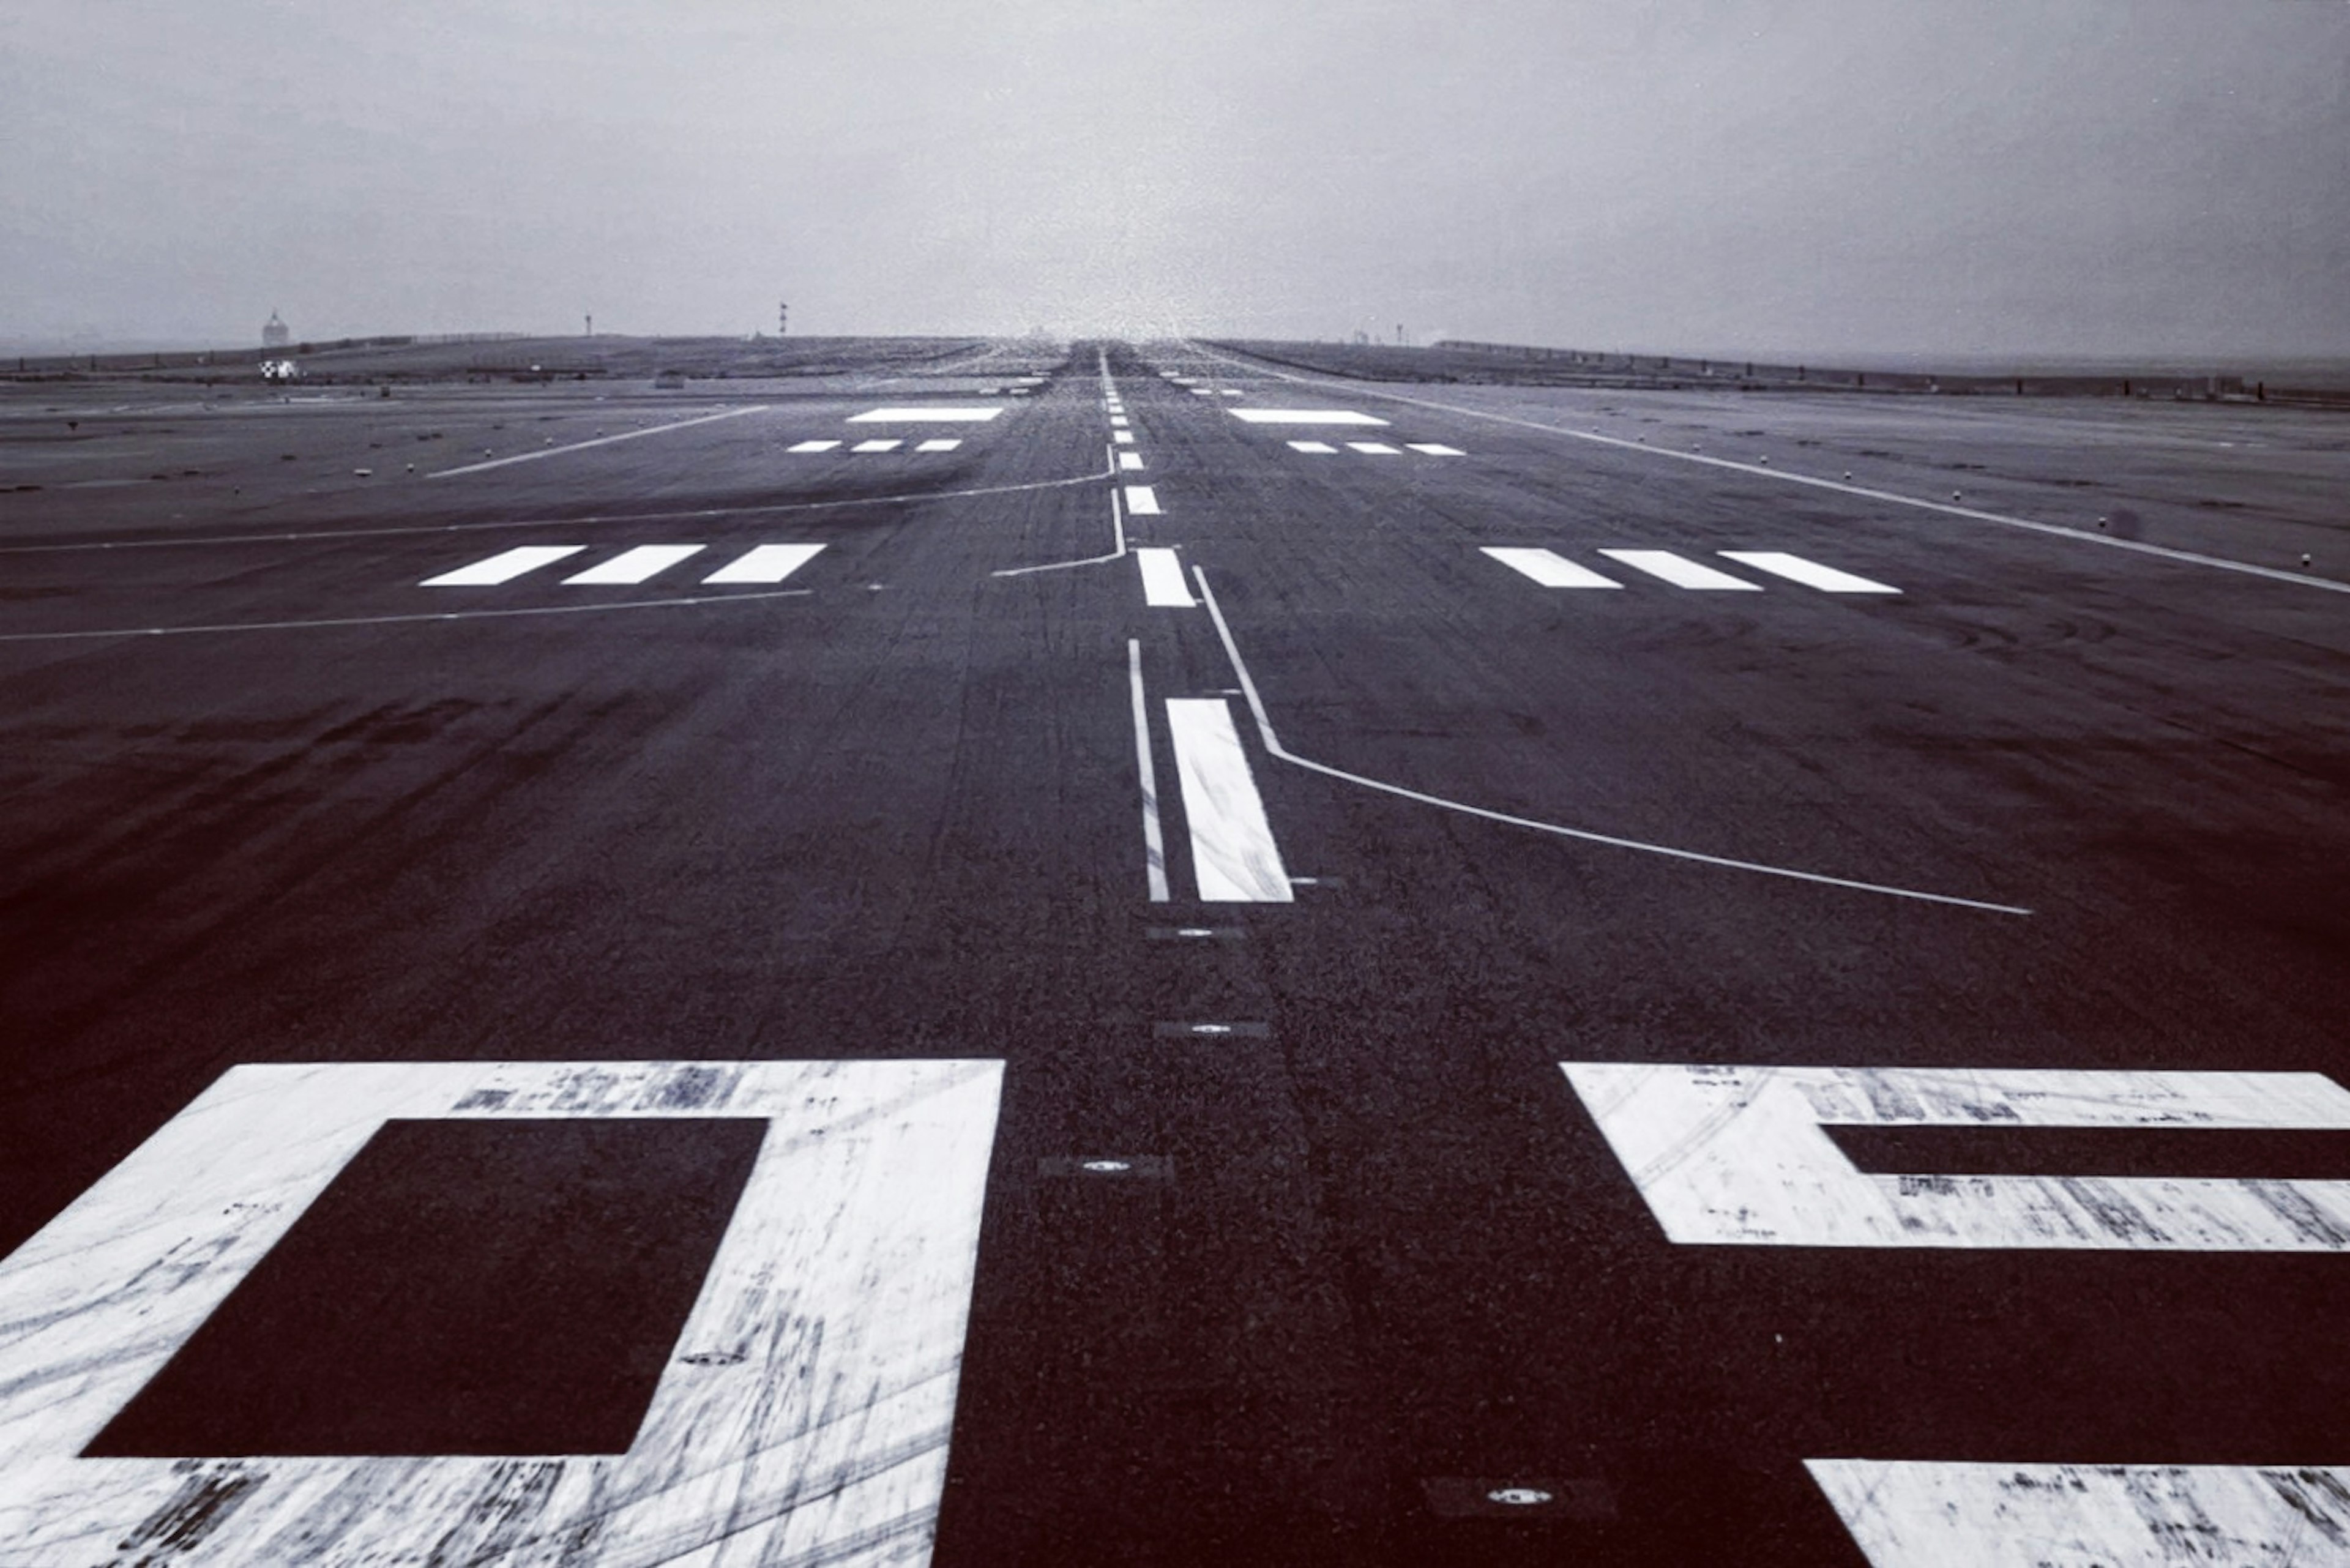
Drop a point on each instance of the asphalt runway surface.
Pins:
(1281, 1193)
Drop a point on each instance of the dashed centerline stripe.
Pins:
(1234, 855)
(1163, 587)
(1141, 500)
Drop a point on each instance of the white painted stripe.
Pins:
(1811, 573)
(1548, 568)
(1933, 1514)
(1122, 438)
(924, 416)
(1435, 449)
(1305, 417)
(812, 446)
(1163, 587)
(1154, 845)
(938, 444)
(1117, 421)
(869, 1171)
(635, 565)
(1375, 448)
(766, 563)
(503, 568)
(1230, 392)
(1141, 502)
(883, 444)
(1129, 462)
(1232, 852)
(1202, 392)
(1320, 447)
(1680, 571)
(1735, 1155)
(598, 440)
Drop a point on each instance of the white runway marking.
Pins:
(766, 563)
(1319, 447)
(1141, 500)
(862, 1214)
(636, 566)
(503, 568)
(1163, 580)
(883, 444)
(1681, 572)
(1154, 846)
(938, 444)
(1735, 1156)
(913, 416)
(1928, 1514)
(1549, 569)
(597, 440)
(1202, 392)
(812, 446)
(1303, 417)
(1122, 438)
(1374, 449)
(1129, 462)
(1811, 573)
(1117, 421)
(1274, 746)
(1435, 449)
(1232, 852)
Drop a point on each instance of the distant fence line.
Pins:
(201, 359)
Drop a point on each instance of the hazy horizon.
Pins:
(2014, 180)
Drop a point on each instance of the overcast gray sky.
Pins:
(1806, 176)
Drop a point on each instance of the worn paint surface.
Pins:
(802, 1414)
(1735, 1155)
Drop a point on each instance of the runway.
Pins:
(1134, 956)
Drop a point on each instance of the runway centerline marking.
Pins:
(1141, 500)
(1682, 572)
(1163, 587)
(1129, 462)
(503, 568)
(1234, 855)
(1154, 845)
(597, 440)
(1548, 567)
(635, 565)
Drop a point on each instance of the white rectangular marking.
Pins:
(634, 565)
(1131, 462)
(1374, 449)
(1319, 447)
(1230, 392)
(1163, 587)
(812, 446)
(503, 568)
(1154, 847)
(1934, 1514)
(1680, 571)
(1303, 417)
(1435, 449)
(1548, 568)
(1117, 421)
(924, 416)
(862, 1214)
(883, 444)
(1202, 392)
(1122, 438)
(1811, 573)
(1735, 1155)
(1232, 852)
(765, 564)
(938, 444)
(1141, 502)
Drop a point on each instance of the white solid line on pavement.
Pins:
(1117, 531)
(597, 440)
(439, 618)
(1682, 572)
(636, 566)
(1154, 846)
(1141, 500)
(765, 564)
(1435, 449)
(1374, 449)
(924, 416)
(1232, 852)
(1303, 417)
(1925, 1514)
(1734, 1156)
(503, 568)
(866, 1171)
(1163, 580)
(812, 446)
(1548, 568)
(1811, 573)
(885, 443)
(1273, 747)
(1129, 462)
(1319, 447)
(938, 444)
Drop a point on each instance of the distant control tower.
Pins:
(275, 334)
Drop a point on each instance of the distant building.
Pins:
(275, 334)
